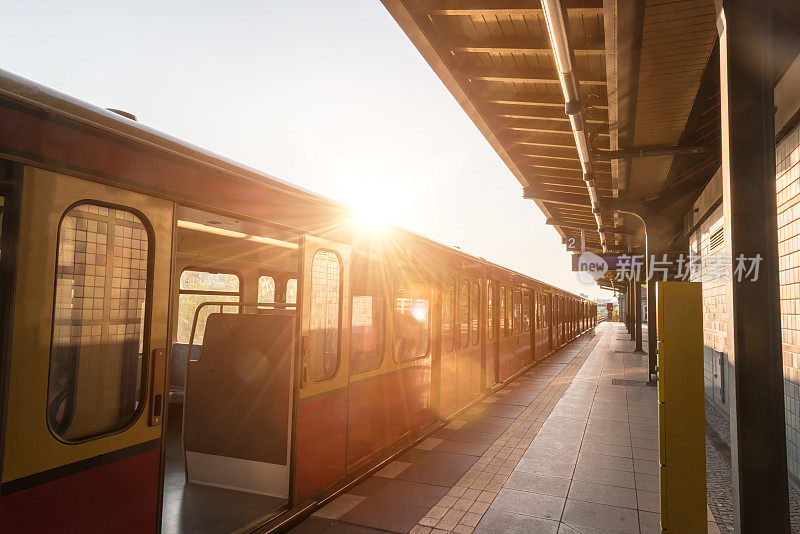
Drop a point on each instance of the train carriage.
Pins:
(190, 345)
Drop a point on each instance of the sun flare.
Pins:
(369, 209)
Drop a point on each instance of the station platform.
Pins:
(571, 446)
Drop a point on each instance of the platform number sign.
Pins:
(575, 244)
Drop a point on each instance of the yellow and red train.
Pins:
(189, 345)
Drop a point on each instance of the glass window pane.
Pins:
(448, 313)
(490, 314)
(411, 317)
(476, 307)
(209, 282)
(102, 275)
(291, 291)
(463, 314)
(509, 310)
(266, 289)
(526, 311)
(368, 317)
(503, 311)
(197, 287)
(323, 335)
(187, 306)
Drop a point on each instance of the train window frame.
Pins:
(509, 311)
(296, 290)
(450, 287)
(464, 333)
(475, 313)
(210, 270)
(144, 386)
(526, 315)
(516, 313)
(489, 311)
(429, 324)
(381, 351)
(274, 288)
(502, 319)
(340, 290)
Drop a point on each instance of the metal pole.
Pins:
(637, 310)
(632, 308)
(758, 434)
(652, 329)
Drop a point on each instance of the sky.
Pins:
(328, 95)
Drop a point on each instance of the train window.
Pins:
(411, 317)
(449, 313)
(476, 313)
(517, 319)
(368, 316)
(526, 311)
(540, 311)
(490, 311)
(291, 291)
(503, 332)
(509, 311)
(463, 314)
(197, 287)
(323, 335)
(98, 338)
(266, 289)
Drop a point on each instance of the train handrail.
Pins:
(221, 304)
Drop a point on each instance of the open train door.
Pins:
(86, 372)
(321, 442)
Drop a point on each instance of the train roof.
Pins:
(35, 96)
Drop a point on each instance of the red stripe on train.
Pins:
(120, 497)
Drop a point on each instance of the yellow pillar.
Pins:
(681, 407)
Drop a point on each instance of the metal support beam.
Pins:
(572, 199)
(649, 151)
(758, 434)
(582, 226)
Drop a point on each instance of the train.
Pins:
(191, 345)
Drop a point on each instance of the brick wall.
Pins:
(787, 158)
(707, 246)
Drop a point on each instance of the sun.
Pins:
(370, 211)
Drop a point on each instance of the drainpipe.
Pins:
(557, 29)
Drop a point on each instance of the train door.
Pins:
(491, 346)
(468, 356)
(83, 428)
(528, 304)
(324, 365)
(448, 363)
(550, 314)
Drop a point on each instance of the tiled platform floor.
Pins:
(560, 450)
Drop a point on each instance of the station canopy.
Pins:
(643, 78)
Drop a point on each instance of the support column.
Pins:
(655, 227)
(632, 308)
(652, 329)
(758, 434)
(637, 314)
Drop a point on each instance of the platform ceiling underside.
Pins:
(640, 66)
